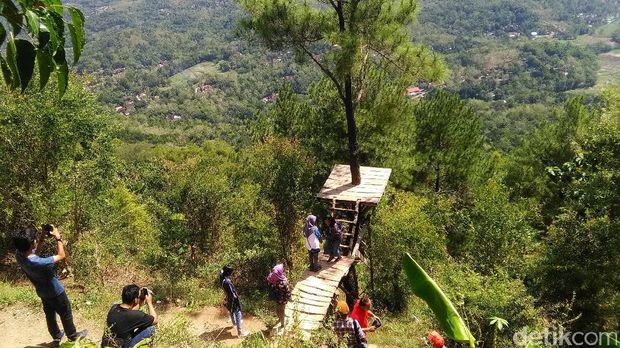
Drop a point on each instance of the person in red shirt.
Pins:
(361, 312)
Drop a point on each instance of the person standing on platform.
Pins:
(279, 291)
(312, 236)
(333, 239)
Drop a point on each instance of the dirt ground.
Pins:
(25, 327)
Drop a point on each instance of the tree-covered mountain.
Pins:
(184, 143)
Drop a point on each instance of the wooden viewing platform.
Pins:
(313, 294)
(338, 185)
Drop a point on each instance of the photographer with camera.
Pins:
(127, 324)
(40, 271)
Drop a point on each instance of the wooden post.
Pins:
(350, 286)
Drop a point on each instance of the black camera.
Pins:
(143, 293)
(48, 228)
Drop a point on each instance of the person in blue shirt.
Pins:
(40, 271)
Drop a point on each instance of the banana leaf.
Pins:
(425, 288)
(607, 341)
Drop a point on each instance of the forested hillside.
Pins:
(187, 141)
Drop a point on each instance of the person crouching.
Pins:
(127, 325)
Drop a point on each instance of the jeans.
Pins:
(235, 318)
(142, 335)
(61, 305)
(332, 247)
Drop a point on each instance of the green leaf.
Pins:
(55, 24)
(46, 66)
(2, 34)
(12, 15)
(11, 61)
(425, 287)
(76, 43)
(55, 5)
(76, 29)
(6, 72)
(63, 79)
(25, 55)
(33, 22)
(63, 71)
(44, 36)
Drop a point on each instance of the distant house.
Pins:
(514, 34)
(174, 117)
(206, 88)
(270, 98)
(121, 110)
(415, 92)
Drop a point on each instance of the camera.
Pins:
(143, 293)
(48, 228)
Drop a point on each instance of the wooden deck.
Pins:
(368, 192)
(313, 294)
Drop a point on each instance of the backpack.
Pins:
(358, 340)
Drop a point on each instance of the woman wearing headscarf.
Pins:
(232, 299)
(313, 242)
(279, 291)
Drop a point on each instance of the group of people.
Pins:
(313, 238)
(128, 326)
(350, 326)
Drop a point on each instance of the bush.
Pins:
(402, 225)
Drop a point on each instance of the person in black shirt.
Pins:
(126, 324)
(232, 299)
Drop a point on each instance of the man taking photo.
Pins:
(127, 325)
(40, 271)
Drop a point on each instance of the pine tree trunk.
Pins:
(354, 161)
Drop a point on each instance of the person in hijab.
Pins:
(313, 242)
(279, 291)
(232, 299)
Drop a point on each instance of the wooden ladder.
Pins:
(349, 217)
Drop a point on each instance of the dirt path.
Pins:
(25, 327)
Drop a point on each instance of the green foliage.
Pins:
(45, 47)
(448, 144)
(490, 232)
(402, 225)
(54, 157)
(283, 172)
(10, 295)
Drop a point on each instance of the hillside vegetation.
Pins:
(182, 144)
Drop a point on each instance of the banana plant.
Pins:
(425, 288)
(498, 326)
(607, 341)
(80, 343)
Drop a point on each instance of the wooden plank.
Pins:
(338, 185)
(309, 317)
(299, 293)
(311, 290)
(307, 309)
(318, 284)
(311, 301)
